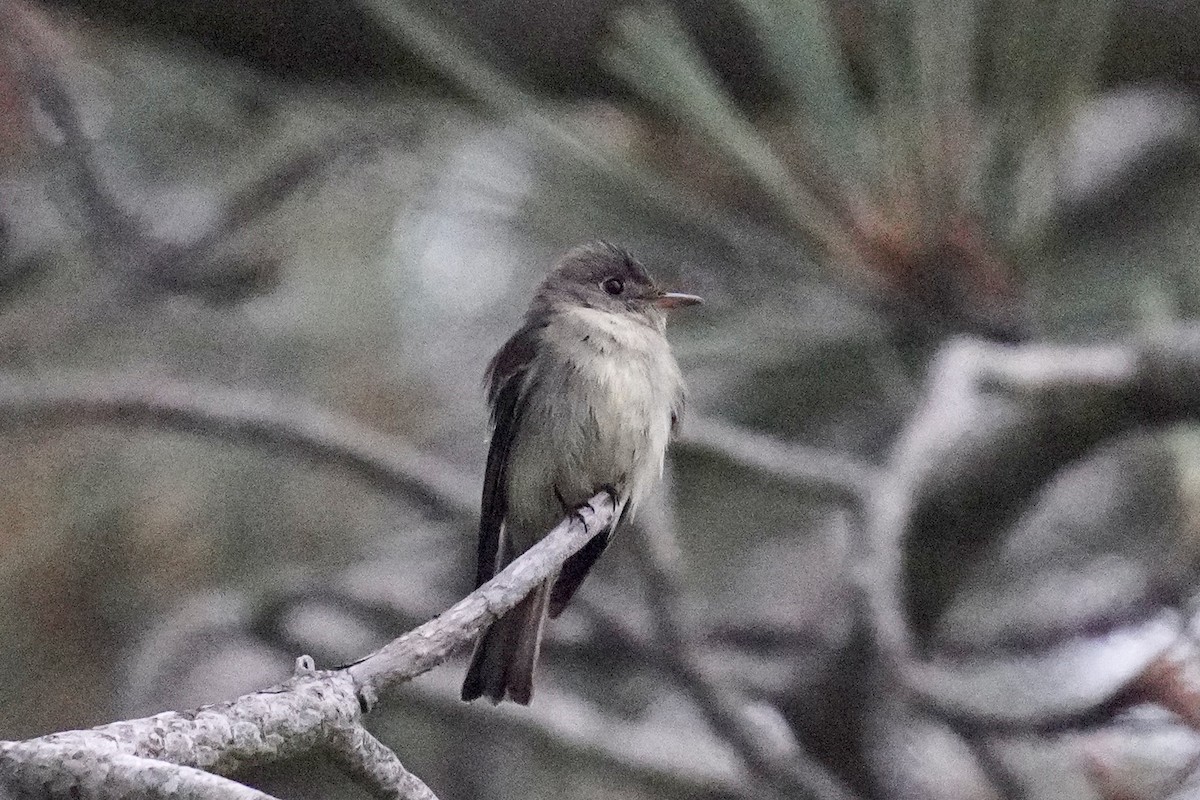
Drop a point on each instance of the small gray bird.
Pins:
(584, 397)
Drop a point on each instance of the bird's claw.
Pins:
(578, 511)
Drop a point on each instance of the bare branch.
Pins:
(309, 431)
(969, 428)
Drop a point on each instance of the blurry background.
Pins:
(346, 204)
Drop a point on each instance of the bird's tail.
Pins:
(506, 655)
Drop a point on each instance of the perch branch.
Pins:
(430, 644)
(314, 710)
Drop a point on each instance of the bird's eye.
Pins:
(613, 286)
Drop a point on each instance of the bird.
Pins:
(584, 397)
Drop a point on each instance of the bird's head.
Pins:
(607, 278)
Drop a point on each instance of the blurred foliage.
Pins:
(894, 172)
(921, 184)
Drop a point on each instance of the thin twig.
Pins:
(770, 752)
(992, 765)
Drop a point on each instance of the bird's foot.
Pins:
(611, 491)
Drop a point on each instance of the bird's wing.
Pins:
(678, 404)
(577, 567)
(508, 380)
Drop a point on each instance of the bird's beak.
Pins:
(676, 299)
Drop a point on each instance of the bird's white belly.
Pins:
(613, 431)
(632, 420)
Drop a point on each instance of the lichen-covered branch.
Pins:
(43, 769)
(374, 765)
(286, 720)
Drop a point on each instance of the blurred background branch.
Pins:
(273, 422)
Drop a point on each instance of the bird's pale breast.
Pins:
(625, 386)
